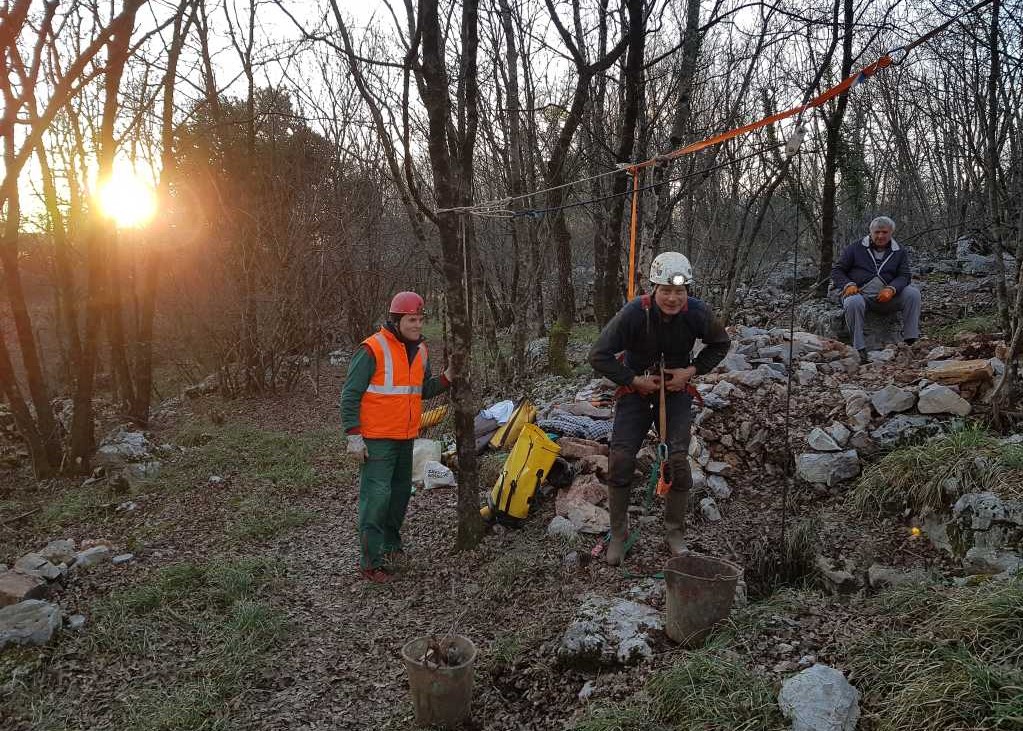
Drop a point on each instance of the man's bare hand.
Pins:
(676, 379)
(646, 385)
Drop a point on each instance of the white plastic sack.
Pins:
(499, 412)
(423, 451)
(437, 475)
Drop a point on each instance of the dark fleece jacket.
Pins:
(644, 334)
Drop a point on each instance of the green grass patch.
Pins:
(946, 658)
(987, 322)
(260, 518)
(215, 610)
(71, 506)
(715, 689)
(618, 717)
(1010, 456)
(711, 689)
(194, 634)
(770, 566)
(935, 473)
(282, 459)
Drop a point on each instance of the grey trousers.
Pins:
(907, 301)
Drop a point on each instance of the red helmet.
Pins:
(407, 303)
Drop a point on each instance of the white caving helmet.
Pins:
(672, 268)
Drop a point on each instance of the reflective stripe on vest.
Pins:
(388, 388)
(392, 405)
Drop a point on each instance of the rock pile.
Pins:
(25, 617)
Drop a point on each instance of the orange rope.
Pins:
(831, 93)
(632, 233)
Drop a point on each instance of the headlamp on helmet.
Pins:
(671, 268)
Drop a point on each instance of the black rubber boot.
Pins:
(676, 505)
(618, 506)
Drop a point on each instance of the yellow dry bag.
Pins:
(526, 467)
(525, 413)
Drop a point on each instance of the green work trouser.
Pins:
(385, 486)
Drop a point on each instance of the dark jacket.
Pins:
(644, 334)
(857, 265)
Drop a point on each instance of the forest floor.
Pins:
(243, 609)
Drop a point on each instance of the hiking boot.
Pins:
(676, 505)
(863, 356)
(376, 576)
(618, 507)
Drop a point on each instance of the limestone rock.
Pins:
(822, 441)
(30, 622)
(837, 580)
(91, 556)
(726, 389)
(749, 379)
(699, 476)
(575, 448)
(904, 427)
(840, 433)
(720, 468)
(59, 551)
(16, 587)
(952, 372)
(76, 622)
(807, 373)
(828, 468)
(733, 362)
(883, 577)
(33, 564)
(709, 509)
(942, 352)
(718, 487)
(609, 631)
(820, 699)
(121, 446)
(578, 505)
(938, 399)
(892, 399)
(980, 560)
(143, 470)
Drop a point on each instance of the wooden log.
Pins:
(960, 371)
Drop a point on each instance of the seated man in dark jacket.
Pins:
(874, 274)
(651, 330)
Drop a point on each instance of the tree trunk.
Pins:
(67, 298)
(82, 427)
(453, 187)
(829, 196)
(659, 212)
(47, 424)
(151, 276)
(608, 286)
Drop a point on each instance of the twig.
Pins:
(16, 518)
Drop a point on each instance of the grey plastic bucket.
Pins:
(441, 695)
(701, 590)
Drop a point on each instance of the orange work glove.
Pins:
(885, 295)
(850, 289)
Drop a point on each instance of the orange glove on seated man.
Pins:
(885, 295)
(850, 290)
